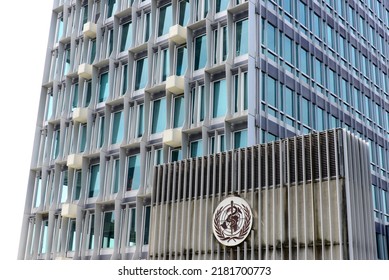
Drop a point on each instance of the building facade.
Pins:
(130, 84)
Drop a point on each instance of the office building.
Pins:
(130, 84)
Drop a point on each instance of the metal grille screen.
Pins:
(299, 191)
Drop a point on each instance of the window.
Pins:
(198, 108)
(178, 114)
(83, 16)
(305, 112)
(330, 37)
(103, 87)
(94, 180)
(221, 5)
(219, 107)
(124, 79)
(160, 66)
(126, 36)
(200, 59)
(49, 106)
(141, 74)
(38, 191)
(72, 235)
(240, 139)
(91, 231)
(217, 144)
(290, 104)
(201, 9)
(43, 240)
(60, 101)
(320, 119)
(66, 62)
(143, 30)
(242, 37)
(82, 137)
(53, 65)
(108, 234)
(100, 132)
(158, 157)
(332, 80)
(132, 227)
(220, 44)
(64, 187)
(115, 176)
(133, 173)
(59, 29)
(317, 25)
(269, 90)
(302, 13)
(111, 8)
(165, 19)
(77, 185)
(175, 155)
(140, 122)
(117, 127)
(318, 71)
(146, 225)
(240, 92)
(55, 146)
(287, 51)
(181, 60)
(303, 55)
(269, 39)
(184, 10)
(74, 99)
(196, 148)
(158, 123)
(87, 96)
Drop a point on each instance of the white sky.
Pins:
(24, 32)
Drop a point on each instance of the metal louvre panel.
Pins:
(293, 219)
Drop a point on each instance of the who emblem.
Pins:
(232, 221)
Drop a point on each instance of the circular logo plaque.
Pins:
(232, 221)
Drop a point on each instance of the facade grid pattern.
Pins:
(129, 84)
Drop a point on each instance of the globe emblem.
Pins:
(232, 221)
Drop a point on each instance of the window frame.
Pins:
(166, 6)
(112, 127)
(219, 45)
(212, 103)
(151, 119)
(131, 187)
(173, 111)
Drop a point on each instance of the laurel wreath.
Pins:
(245, 229)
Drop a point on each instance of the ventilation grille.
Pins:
(289, 161)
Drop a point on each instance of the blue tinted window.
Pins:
(196, 148)
(108, 237)
(242, 37)
(200, 59)
(117, 127)
(94, 183)
(141, 75)
(181, 62)
(133, 173)
(178, 119)
(159, 116)
(104, 87)
(240, 139)
(221, 5)
(165, 19)
(219, 98)
(126, 36)
(184, 13)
